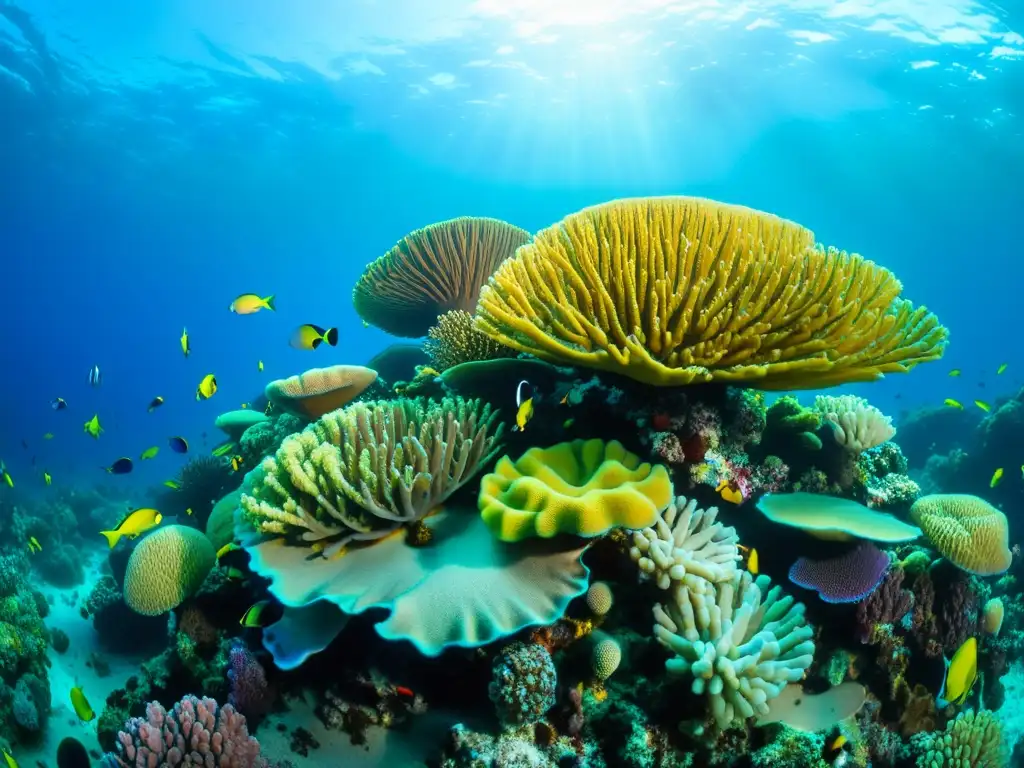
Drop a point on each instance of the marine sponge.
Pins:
(741, 642)
(523, 683)
(966, 530)
(433, 270)
(856, 424)
(686, 543)
(366, 470)
(678, 290)
(454, 341)
(969, 741)
(165, 568)
(582, 487)
(848, 578)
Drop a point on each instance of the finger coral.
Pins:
(433, 270)
(740, 642)
(966, 530)
(680, 290)
(970, 741)
(361, 472)
(856, 424)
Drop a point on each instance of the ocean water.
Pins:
(159, 159)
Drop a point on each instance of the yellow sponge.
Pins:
(583, 487)
(166, 567)
(966, 530)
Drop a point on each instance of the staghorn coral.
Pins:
(966, 530)
(856, 424)
(433, 270)
(971, 740)
(454, 341)
(741, 642)
(686, 544)
(394, 461)
(679, 290)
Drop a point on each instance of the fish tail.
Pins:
(331, 337)
(269, 303)
(112, 537)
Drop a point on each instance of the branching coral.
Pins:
(362, 472)
(856, 424)
(679, 290)
(969, 741)
(454, 341)
(741, 642)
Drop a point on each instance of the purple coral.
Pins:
(250, 693)
(886, 605)
(848, 578)
(195, 733)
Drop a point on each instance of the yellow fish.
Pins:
(34, 545)
(311, 336)
(1000, 369)
(254, 617)
(961, 672)
(81, 705)
(833, 748)
(207, 387)
(259, 366)
(149, 453)
(729, 491)
(224, 448)
(47, 478)
(189, 511)
(236, 463)
(524, 405)
(953, 403)
(139, 521)
(250, 303)
(996, 477)
(753, 561)
(9, 761)
(92, 426)
(174, 485)
(6, 475)
(226, 549)
(48, 436)
(955, 372)
(983, 405)
(186, 345)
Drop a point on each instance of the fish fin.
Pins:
(331, 337)
(112, 537)
(269, 303)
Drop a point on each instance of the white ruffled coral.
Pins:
(685, 544)
(856, 423)
(741, 642)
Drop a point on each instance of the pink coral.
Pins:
(195, 733)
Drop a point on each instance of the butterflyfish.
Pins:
(149, 453)
(524, 405)
(236, 462)
(961, 672)
(186, 345)
(996, 477)
(255, 616)
(251, 303)
(178, 444)
(730, 491)
(207, 387)
(81, 705)
(155, 403)
(983, 405)
(95, 377)
(92, 426)
(139, 521)
(120, 467)
(950, 402)
(311, 336)
(58, 404)
(833, 747)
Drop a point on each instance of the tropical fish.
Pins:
(120, 467)
(47, 478)
(961, 672)
(753, 563)
(9, 761)
(95, 377)
(227, 549)
(366, 324)
(48, 436)
(996, 477)
(730, 491)
(178, 444)
(149, 453)
(174, 485)
(250, 303)
(236, 462)
(833, 748)
(155, 403)
(6, 475)
(188, 511)
(1001, 369)
(524, 405)
(207, 387)
(186, 345)
(139, 521)
(255, 615)
(58, 404)
(312, 336)
(565, 398)
(401, 690)
(92, 426)
(953, 403)
(983, 405)
(259, 366)
(224, 449)
(34, 545)
(81, 705)
(955, 372)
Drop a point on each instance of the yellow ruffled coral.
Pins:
(583, 487)
(966, 530)
(678, 290)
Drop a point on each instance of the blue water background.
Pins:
(157, 159)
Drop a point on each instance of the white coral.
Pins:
(856, 423)
(741, 646)
(685, 544)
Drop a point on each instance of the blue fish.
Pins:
(94, 376)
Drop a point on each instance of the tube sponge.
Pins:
(165, 568)
(741, 642)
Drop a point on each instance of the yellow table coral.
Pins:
(966, 530)
(583, 487)
(678, 290)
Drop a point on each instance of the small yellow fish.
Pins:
(250, 303)
(953, 403)
(224, 449)
(236, 462)
(955, 372)
(983, 405)
(1001, 369)
(48, 436)
(255, 616)
(81, 705)
(227, 549)
(186, 345)
(174, 485)
(524, 405)
(155, 403)
(93, 428)
(6, 475)
(996, 477)
(139, 521)
(244, 406)
(729, 491)
(149, 453)
(833, 748)
(259, 366)
(189, 511)
(9, 761)
(311, 336)
(753, 561)
(34, 545)
(961, 672)
(47, 478)
(207, 387)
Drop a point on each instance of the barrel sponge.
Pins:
(969, 741)
(740, 642)
(966, 530)
(165, 568)
(582, 487)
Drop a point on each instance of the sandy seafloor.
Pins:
(408, 745)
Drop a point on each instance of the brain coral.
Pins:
(678, 290)
(966, 530)
(166, 567)
(582, 487)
